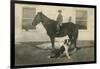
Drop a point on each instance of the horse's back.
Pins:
(68, 25)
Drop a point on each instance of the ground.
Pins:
(36, 53)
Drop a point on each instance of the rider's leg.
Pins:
(58, 28)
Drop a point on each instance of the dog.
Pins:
(63, 49)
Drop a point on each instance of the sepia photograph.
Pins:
(47, 34)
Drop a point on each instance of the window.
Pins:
(81, 19)
(27, 18)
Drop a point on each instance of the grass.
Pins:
(27, 53)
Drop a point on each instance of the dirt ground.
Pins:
(27, 53)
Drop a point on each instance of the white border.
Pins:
(5, 34)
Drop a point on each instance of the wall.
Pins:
(38, 35)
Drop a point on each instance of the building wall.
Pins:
(51, 12)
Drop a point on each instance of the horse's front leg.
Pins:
(52, 42)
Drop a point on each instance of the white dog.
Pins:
(66, 45)
(63, 49)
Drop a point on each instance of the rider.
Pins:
(59, 20)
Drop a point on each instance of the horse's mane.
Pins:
(49, 19)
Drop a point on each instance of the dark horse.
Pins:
(50, 25)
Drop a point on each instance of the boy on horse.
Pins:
(59, 20)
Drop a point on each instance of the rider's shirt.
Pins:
(59, 18)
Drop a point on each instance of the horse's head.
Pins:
(37, 19)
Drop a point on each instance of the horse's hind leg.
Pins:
(75, 36)
(52, 42)
(75, 47)
(70, 39)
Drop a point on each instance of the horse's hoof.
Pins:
(49, 57)
(73, 51)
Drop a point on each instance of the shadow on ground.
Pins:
(27, 53)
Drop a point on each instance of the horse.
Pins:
(67, 29)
